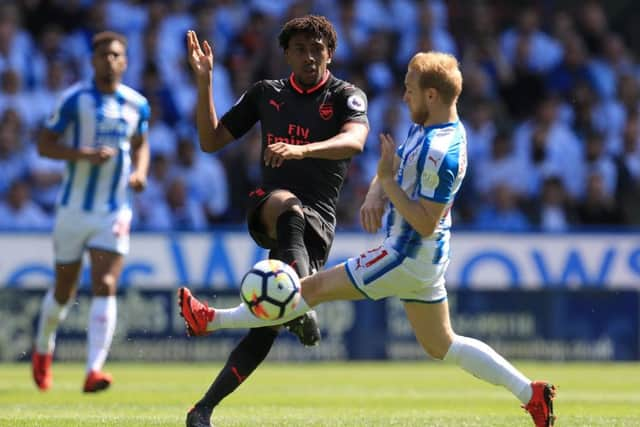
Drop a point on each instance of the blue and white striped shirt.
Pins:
(88, 118)
(433, 165)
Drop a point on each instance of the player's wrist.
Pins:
(306, 151)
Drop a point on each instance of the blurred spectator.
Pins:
(628, 170)
(45, 176)
(598, 161)
(573, 68)
(179, 211)
(19, 212)
(598, 207)
(204, 177)
(43, 99)
(546, 147)
(553, 212)
(562, 76)
(15, 44)
(526, 44)
(154, 195)
(242, 162)
(12, 96)
(499, 167)
(13, 162)
(502, 212)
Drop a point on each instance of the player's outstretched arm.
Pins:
(212, 135)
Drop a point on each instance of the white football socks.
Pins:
(240, 317)
(51, 314)
(482, 361)
(102, 325)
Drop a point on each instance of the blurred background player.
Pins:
(312, 124)
(420, 182)
(100, 129)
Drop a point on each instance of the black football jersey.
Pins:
(290, 114)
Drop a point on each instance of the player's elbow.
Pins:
(426, 227)
(425, 231)
(208, 145)
(357, 147)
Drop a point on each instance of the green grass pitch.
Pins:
(319, 394)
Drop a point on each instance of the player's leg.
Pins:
(432, 326)
(108, 246)
(277, 222)
(54, 309)
(106, 267)
(328, 285)
(255, 346)
(68, 241)
(282, 218)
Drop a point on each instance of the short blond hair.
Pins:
(439, 71)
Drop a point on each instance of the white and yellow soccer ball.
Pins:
(271, 289)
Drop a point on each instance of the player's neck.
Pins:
(305, 88)
(107, 86)
(445, 115)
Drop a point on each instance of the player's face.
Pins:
(109, 61)
(416, 98)
(308, 58)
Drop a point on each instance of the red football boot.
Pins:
(41, 369)
(196, 314)
(541, 404)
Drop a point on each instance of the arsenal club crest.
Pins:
(326, 111)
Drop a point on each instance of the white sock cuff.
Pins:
(454, 349)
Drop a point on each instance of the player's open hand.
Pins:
(276, 154)
(371, 212)
(387, 155)
(99, 155)
(200, 58)
(137, 181)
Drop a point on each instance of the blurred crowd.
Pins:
(550, 102)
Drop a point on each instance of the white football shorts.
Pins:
(382, 272)
(75, 231)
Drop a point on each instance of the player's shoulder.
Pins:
(344, 87)
(271, 85)
(132, 95)
(73, 91)
(449, 131)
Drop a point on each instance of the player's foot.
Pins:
(196, 314)
(541, 404)
(41, 369)
(97, 381)
(305, 328)
(197, 418)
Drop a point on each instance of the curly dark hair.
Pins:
(314, 25)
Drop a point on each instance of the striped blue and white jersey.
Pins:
(85, 117)
(433, 165)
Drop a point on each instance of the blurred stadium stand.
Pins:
(551, 103)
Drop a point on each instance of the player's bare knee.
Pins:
(105, 284)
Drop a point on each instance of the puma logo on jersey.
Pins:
(434, 160)
(276, 104)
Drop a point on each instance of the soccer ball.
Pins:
(271, 289)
